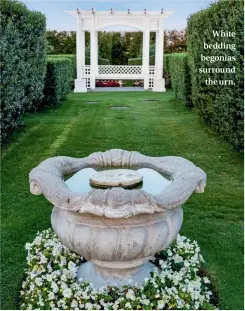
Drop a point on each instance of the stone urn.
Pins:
(117, 229)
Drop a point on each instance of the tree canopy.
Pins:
(117, 47)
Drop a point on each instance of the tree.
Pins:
(176, 41)
(116, 53)
(105, 45)
(63, 42)
(135, 44)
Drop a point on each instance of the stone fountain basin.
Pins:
(118, 230)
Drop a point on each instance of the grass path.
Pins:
(214, 219)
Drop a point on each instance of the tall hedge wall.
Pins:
(57, 81)
(180, 77)
(23, 62)
(220, 105)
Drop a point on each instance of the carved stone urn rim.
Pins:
(48, 179)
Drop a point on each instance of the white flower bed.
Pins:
(51, 280)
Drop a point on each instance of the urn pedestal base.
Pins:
(101, 276)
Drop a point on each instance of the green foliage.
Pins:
(101, 61)
(175, 41)
(138, 61)
(221, 106)
(105, 45)
(180, 77)
(23, 62)
(57, 81)
(61, 42)
(70, 56)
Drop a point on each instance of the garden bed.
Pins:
(178, 281)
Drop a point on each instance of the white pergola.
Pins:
(144, 21)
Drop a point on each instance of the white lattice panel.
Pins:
(151, 76)
(120, 72)
(86, 70)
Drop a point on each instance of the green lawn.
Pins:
(214, 219)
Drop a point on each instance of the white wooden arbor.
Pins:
(144, 21)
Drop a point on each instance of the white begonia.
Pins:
(63, 261)
(167, 281)
(160, 304)
(206, 280)
(39, 281)
(51, 296)
(63, 285)
(115, 306)
(55, 287)
(130, 294)
(128, 305)
(67, 292)
(88, 306)
(146, 302)
(38, 240)
(74, 303)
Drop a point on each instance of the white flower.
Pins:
(37, 241)
(115, 306)
(43, 259)
(146, 302)
(67, 292)
(32, 286)
(35, 293)
(28, 246)
(51, 296)
(160, 304)
(88, 306)
(71, 265)
(54, 287)
(74, 303)
(63, 285)
(206, 280)
(63, 262)
(169, 252)
(39, 281)
(55, 251)
(130, 294)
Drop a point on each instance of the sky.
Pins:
(58, 18)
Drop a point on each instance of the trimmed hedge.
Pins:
(57, 81)
(221, 106)
(101, 61)
(23, 62)
(138, 61)
(180, 77)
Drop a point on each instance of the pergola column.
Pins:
(146, 54)
(80, 82)
(93, 57)
(159, 81)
